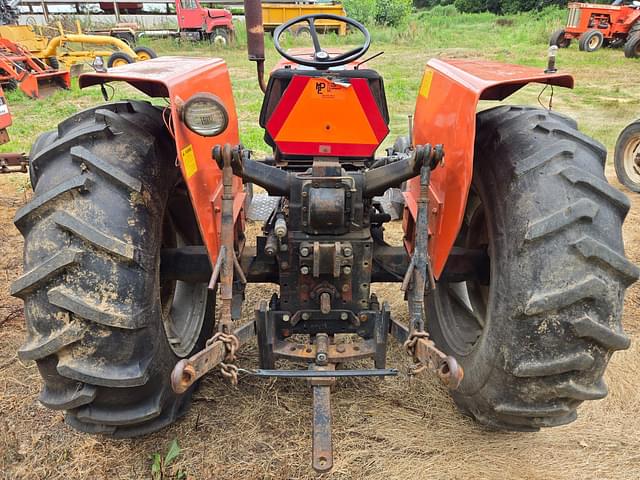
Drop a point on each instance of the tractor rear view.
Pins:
(596, 25)
(136, 257)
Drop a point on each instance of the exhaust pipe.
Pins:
(255, 37)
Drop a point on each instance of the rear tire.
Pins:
(632, 46)
(590, 41)
(535, 337)
(627, 157)
(559, 39)
(104, 327)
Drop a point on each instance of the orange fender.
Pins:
(446, 113)
(178, 78)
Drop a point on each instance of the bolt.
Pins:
(340, 348)
(345, 287)
(344, 316)
(304, 270)
(284, 265)
(347, 252)
(346, 270)
(363, 317)
(321, 357)
(306, 316)
(285, 318)
(304, 251)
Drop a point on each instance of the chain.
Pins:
(230, 371)
(231, 344)
(410, 347)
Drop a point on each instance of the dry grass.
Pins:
(392, 429)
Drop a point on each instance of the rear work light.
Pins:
(205, 115)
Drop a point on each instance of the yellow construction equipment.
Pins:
(62, 50)
(275, 14)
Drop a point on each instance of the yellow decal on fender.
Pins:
(189, 161)
(425, 86)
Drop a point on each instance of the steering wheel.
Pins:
(322, 59)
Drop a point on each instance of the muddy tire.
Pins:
(534, 334)
(627, 157)
(100, 314)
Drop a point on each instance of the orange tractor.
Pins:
(627, 156)
(596, 25)
(512, 260)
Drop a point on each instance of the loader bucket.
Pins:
(42, 84)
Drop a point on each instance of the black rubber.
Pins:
(223, 33)
(106, 186)
(631, 133)
(118, 56)
(127, 37)
(558, 273)
(558, 39)
(53, 63)
(145, 50)
(44, 139)
(632, 45)
(586, 37)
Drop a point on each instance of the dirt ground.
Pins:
(392, 429)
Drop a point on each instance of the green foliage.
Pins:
(382, 12)
(392, 12)
(500, 7)
(363, 11)
(159, 466)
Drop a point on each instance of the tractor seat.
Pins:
(280, 79)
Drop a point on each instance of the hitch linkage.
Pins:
(321, 353)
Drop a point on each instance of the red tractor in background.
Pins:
(597, 25)
(627, 156)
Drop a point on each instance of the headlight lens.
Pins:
(205, 115)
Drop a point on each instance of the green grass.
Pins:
(606, 97)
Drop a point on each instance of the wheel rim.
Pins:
(118, 62)
(631, 157)
(593, 42)
(465, 304)
(142, 56)
(183, 304)
(303, 33)
(219, 40)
